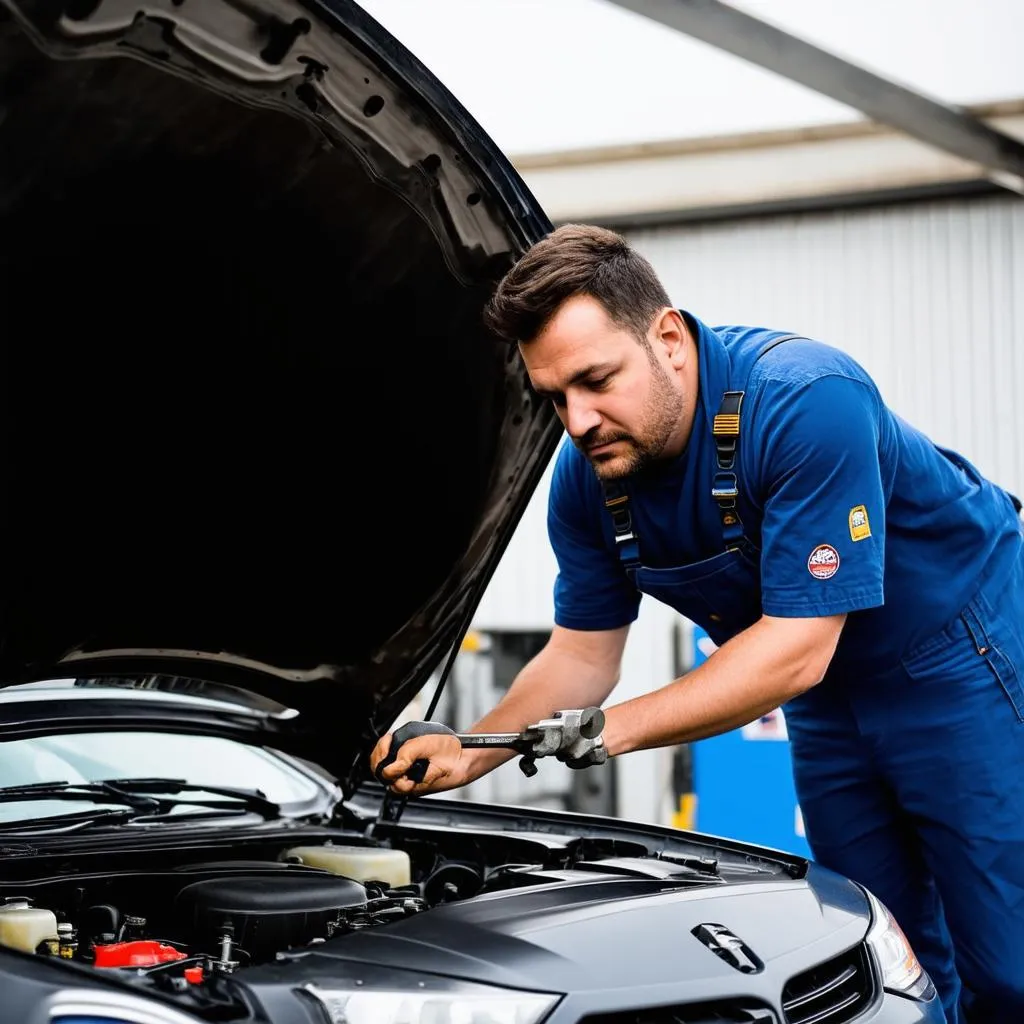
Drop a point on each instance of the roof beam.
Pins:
(946, 127)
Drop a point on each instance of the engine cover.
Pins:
(267, 910)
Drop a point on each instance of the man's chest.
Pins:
(683, 525)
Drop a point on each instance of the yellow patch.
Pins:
(860, 528)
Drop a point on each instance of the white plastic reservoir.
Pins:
(24, 927)
(362, 863)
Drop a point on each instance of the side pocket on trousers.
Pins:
(978, 634)
(1000, 641)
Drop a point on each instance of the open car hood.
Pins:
(255, 432)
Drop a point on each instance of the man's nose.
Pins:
(580, 416)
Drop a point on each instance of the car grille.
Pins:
(727, 1012)
(834, 992)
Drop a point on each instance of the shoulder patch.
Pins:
(860, 527)
(823, 562)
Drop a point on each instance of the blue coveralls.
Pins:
(909, 756)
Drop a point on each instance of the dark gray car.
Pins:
(260, 460)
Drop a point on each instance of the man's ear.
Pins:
(669, 331)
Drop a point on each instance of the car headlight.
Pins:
(901, 971)
(433, 1001)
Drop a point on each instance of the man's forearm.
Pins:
(755, 672)
(554, 680)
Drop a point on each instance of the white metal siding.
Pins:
(519, 595)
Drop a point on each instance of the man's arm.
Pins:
(574, 669)
(754, 673)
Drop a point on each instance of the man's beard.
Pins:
(662, 412)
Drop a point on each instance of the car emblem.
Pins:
(726, 946)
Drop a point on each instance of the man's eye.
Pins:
(601, 383)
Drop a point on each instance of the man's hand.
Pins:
(447, 769)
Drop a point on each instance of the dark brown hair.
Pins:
(576, 259)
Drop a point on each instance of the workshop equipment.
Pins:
(573, 736)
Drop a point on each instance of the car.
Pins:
(261, 458)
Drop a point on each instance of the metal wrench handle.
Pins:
(418, 769)
(566, 732)
(514, 740)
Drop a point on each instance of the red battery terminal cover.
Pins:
(139, 953)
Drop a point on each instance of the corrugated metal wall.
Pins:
(928, 297)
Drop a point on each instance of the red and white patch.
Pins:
(823, 563)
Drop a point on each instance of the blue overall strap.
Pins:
(725, 489)
(616, 501)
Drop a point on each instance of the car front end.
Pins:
(495, 914)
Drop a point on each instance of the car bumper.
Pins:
(894, 1009)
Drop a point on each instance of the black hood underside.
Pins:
(254, 429)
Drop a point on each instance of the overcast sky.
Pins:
(543, 75)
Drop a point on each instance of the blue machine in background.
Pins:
(742, 780)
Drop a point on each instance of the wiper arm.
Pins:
(97, 792)
(144, 796)
(253, 799)
(64, 823)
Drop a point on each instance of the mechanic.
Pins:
(850, 570)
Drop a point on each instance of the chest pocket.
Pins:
(722, 595)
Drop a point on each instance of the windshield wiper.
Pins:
(252, 799)
(97, 792)
(145, 796)
(61, 824)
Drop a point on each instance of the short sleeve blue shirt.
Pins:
(850, 509)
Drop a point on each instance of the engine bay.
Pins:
(193, 919)
(217, 915)
(181, 919)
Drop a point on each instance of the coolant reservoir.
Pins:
(24, 927)
(361, 863)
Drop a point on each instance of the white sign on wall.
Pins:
(771, 726)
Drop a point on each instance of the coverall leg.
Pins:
(914, 785)
(855, 827)
(957, 766)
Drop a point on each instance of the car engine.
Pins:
(166, 918)
(190, 919)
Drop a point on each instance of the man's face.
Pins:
(621, 402)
